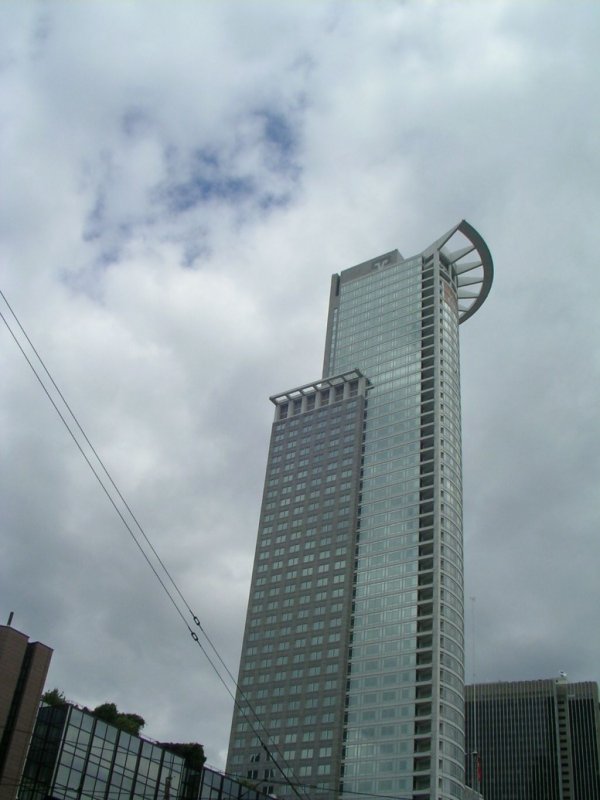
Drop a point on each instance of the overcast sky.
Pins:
(178, 181)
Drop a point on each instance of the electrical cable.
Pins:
(195, 618)
(93, 449)
(91, 466)
(101, 793)
(263, 744)
(234, 776)
(321, 788)
(197, 621)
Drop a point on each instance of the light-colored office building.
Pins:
(351, 678)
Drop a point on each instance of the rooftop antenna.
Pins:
(10, 618)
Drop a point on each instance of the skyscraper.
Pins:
(533, 740)
(352, 657)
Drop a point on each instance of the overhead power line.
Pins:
(165, 579)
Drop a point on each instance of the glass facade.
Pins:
(398, 320)
(379, 327)
(74, 756)
(533, 740)
(397, 725)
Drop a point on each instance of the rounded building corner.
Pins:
(483, 269)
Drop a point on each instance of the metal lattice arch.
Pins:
(470, 265)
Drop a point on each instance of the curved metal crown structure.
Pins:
(473, 277)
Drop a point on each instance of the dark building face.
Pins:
(73, 755)
(351, 676)
(533, 740)
(23, 669)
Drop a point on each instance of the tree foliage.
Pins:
(191, 752)
(130, 723)
(107, 712)
(54, 697)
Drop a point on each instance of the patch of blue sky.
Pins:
(94, 223)
(108, 240)
(135, 121)
(208, 157)
(194, 251)
(108, 256)
(200, 189)
(97, 228)
(280, 142)
(278, 132)
(270, 200)
(212, 177)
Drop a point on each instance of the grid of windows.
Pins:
(399, 323)
(372, 519)
(533, 740)
(295, 642)
(379, 327)
(74, 755)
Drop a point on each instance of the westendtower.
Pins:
(353, 649)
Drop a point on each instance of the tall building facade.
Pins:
(351, 677)
(23, 669)
(533, 740)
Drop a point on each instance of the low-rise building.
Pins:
(23, 669)
(76, 756)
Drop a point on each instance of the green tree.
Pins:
(107, 712)
(130, 723)
(54, 697)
